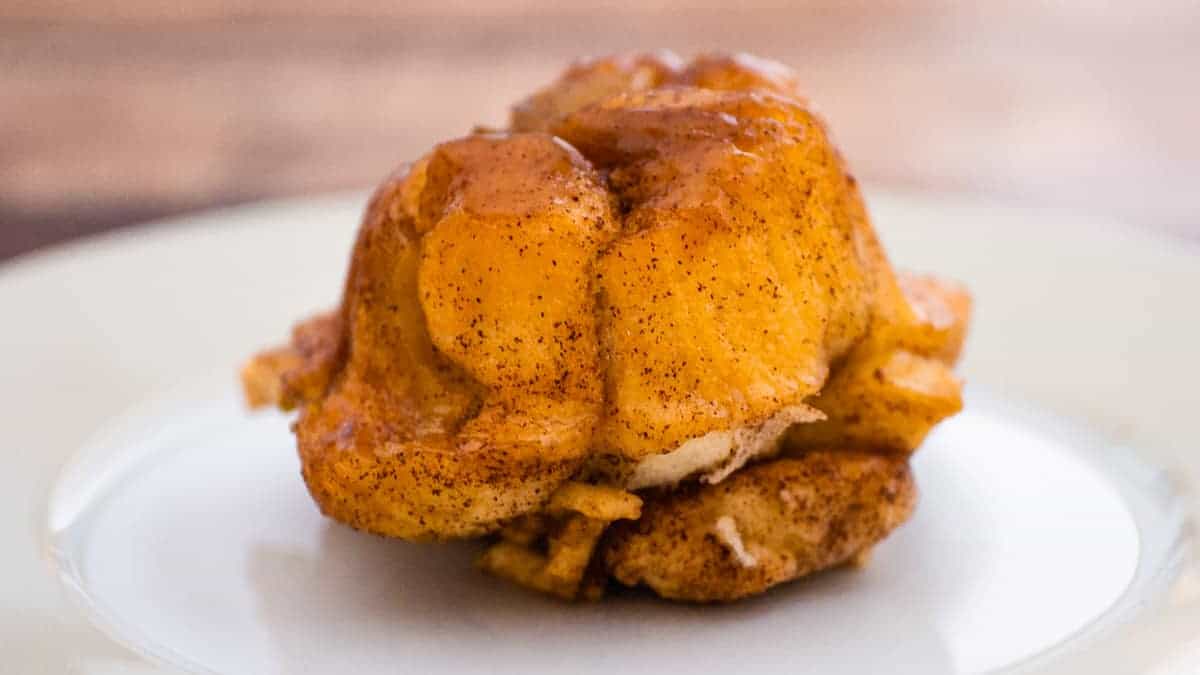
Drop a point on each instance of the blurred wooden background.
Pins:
(115, 111)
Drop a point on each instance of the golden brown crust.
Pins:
(299, 371)
(743, 271)
(552, 552)
(590, 81)
(942, 312)
(656, 253)
(765, 525)
(739, 72)
(601, 502)
(464, 400)
(263, 376)
(898, 383)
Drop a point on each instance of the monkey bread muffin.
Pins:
(646, 335)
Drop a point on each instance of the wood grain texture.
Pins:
(112, 112)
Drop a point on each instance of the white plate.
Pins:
(182, 530)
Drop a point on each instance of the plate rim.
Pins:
(1101, 454)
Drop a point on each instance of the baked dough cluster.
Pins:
(645, 334)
